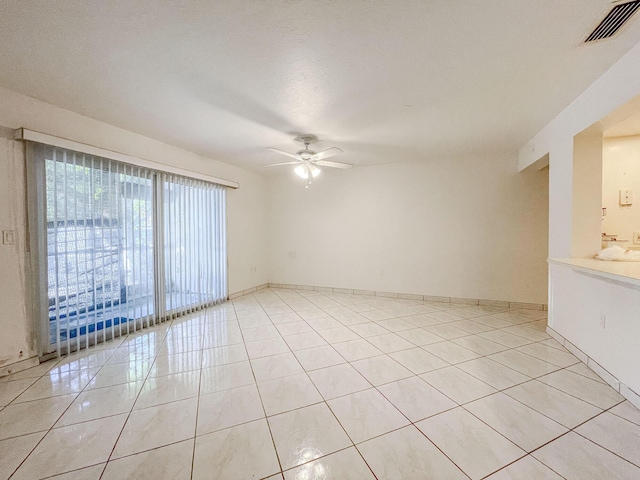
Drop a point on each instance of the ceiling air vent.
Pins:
(617, 17)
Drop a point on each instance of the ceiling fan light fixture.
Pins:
(315, 171)
(307, 170)
(301, 171)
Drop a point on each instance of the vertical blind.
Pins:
(194, 258)
(126, 247)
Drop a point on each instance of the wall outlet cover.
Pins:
(636, 238)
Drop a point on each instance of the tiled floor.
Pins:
(306, 385)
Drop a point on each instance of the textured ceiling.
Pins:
(386, 81)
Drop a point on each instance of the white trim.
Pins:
(30, 135)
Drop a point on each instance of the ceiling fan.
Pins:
(308, 161)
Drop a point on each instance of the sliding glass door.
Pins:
(126, 247)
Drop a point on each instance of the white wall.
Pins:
(582, 300)
(17, 341)
(466, 227)
(573, 301)
(621, 170)
(586, 220)
(247, 207)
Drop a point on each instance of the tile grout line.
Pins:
(260, 397)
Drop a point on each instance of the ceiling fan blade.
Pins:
(284, 153)
(326, 163)
(329, 152)
(282, 163)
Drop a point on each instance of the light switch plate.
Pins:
(8, 237)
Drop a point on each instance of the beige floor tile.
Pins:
(223, 377)
(479, 345)
(446, 317)
(260, 333)
(338, 380)
(470, 326)
(555, 404)
(93, 472)
(595, 393)
(366, 414)
(421, 320)
(522, 425)
(254, 322)
(223, 355)
(493, 322)
(405, 453)
(266, 348)
(241, 452)
(169, 388)
(339, 334)
(351, 319)
(396, 325)
(228, 408)
(457, 384)
(344, 465)
(419, 336)
(58, 451)
(178, 363)
(615, 434)
(527, 468)
(51, 385)
(357, 350)
(549, 354)
(110, 375)
(577, 458)
(30, 417)
(446, 331)
(376, 315)
(172, 461)
(523, 363)
(451, 352)
(275, 366)
(14, 450)
(157, 426)
(9, 390)
(493, 373)
(416, 399)
(293, 328)
(527, 332)
(288, 393)
(628, 411)
(305, 434)
(418, 360)
(505, 338)
(390, 342)
(553, 343)
(582, 369)
(472, 445)
(323, 323)
(301, 341)
(102, 402)
(319, 357)
(381, 369)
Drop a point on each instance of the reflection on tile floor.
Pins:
(288, 384)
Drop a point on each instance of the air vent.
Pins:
(616, 18)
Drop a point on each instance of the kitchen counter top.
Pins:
(626, 272)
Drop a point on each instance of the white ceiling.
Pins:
(384, 80)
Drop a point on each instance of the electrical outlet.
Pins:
(636, 238)
(603, 320)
